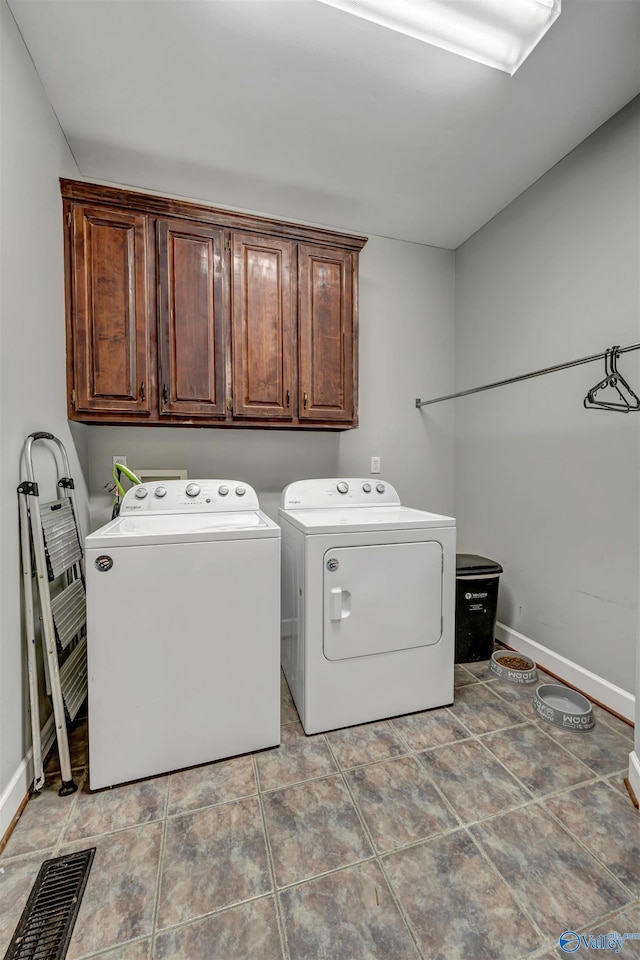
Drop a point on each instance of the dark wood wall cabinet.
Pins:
(179, 313)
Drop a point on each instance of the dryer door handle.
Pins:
(339, 604)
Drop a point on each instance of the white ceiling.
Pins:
(295, 109)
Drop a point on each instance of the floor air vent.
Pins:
(47, 921)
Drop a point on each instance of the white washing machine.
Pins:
(368, 601)
(183, 626)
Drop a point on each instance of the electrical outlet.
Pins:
(119, 459)
(375, 464)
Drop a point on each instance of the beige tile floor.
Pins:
(474, 832)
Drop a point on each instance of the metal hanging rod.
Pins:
(525, 376)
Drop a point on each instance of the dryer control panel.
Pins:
(189, 496)
(340, 492)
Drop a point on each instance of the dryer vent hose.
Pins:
(118, 469)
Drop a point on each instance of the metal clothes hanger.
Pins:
(613, 380)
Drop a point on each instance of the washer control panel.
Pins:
(189, 496)
(307, 494)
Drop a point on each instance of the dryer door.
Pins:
(381, 598)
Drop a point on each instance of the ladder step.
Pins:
(62, 545)
(73, 679)
(69, 609)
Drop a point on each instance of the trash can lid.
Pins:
(469, 564)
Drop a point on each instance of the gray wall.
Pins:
(33, 154)
(545, 487)
(267, 459)
(406, 349)
(406, 342)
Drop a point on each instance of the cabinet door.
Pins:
(263, 327)
(110, 311)
(191, 305)
(327, 331)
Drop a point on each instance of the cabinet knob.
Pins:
(142, 390)
(305, 398)
(165, 393)
(288, 398)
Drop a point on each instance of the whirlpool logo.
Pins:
(571, 942)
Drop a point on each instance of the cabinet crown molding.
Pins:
(158, 206)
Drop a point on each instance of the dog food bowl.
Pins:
(563, 707)
(513, 667)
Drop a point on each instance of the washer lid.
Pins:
(348, 519)
(182, 528)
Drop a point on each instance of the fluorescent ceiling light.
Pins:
(499, 33)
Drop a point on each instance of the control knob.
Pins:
(161, 491)
(192, 490)
(343, 487)
(141, 493)
(240, 491)
(380, 487)
(223, 490)
(366, 487)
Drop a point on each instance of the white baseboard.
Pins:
(21, 781)
(606, 693)
(634, 773)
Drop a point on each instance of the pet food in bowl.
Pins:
(513, 667)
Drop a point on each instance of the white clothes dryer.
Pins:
(183, 627)
(368, 603)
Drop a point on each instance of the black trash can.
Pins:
(477, 580)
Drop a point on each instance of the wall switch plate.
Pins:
(119, 459)
(375, 464)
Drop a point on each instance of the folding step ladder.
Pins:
(50, 535)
